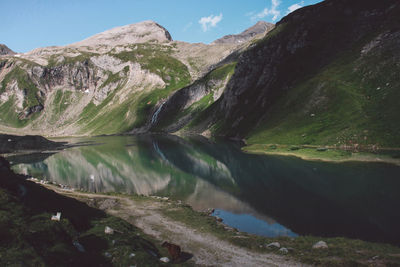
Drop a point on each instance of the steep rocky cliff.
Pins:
(326, 74)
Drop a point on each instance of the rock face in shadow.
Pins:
(4, 50)
(259, 29)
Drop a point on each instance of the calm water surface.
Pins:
(264, 195)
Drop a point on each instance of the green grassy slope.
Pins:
(342, 105)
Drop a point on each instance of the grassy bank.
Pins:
(325, 153)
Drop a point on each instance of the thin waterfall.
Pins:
(155, 115)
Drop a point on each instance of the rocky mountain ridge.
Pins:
(124, 73)
(259, 29)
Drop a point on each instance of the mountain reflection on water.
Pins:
(266, 195)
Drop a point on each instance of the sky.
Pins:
(29, 24)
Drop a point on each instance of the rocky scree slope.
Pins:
(109, 83)
(326, 74)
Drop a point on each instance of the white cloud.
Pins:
(295, 7)
(272, 11)
(210, 21)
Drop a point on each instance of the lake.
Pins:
(265, 195)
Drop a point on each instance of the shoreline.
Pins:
(332, 155)
(212, 242)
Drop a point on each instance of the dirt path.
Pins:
(207, 249)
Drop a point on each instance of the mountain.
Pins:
(325, 75)
(260, 28)
(4, 50)
(130, 34)
(109, 83)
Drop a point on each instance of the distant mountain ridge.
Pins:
(260, 28)
(4, 50)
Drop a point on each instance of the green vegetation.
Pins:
(82, 57)
(62, 100)
(341, 105)
(31, 97)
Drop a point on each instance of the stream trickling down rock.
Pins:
(265, 195)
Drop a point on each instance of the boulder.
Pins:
(320, 245)
(164, 259)
(274, 245)
(173, 250)
(109, 230)
(284, 250)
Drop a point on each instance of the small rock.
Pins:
(312, 115)
(78, 246)
(320, 245)
(132, 255)
(107, 254)
(164, 259)
(56, 217)
(274, 245)
(109, 230)
(375, 257)
(284, 250)
(218, 219)
(9, 140)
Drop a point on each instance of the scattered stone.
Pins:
(284, 250)
(109, 230)
(274, 245)
(164, 259)
(209, 211)
(132, 255)
(56, 217)
(218, 219)
(320, 245)
(78, 246)
(312, 115)
(378, 88)
(375, 257)
(173, 250)
(165, 198)
(9, 140)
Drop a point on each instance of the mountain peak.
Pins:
(4, 50)
(133, 33)
(261, 27)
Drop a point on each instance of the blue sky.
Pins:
(28, 24)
